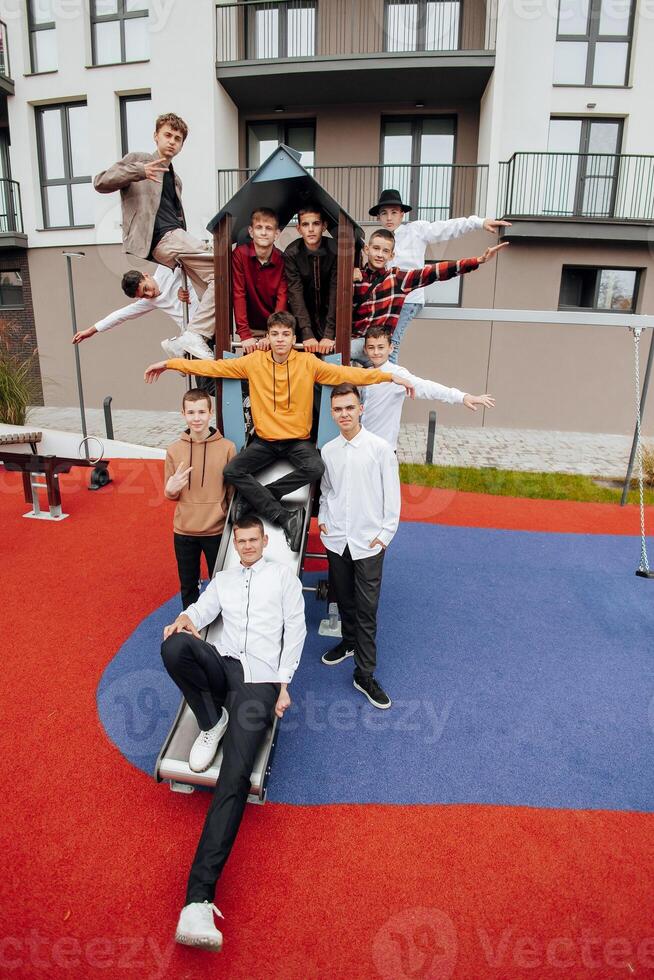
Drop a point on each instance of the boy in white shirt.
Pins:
(382, 408)
(358, 517)
(233, 693)
(163, 291)
(411, 241)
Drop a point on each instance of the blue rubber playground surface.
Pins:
(520, 664)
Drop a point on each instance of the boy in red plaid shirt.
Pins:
(380, 292)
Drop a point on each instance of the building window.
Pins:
(602, 290)
(43, 35)
(422, 25)
(281, 30)
(447, 293)
(417, 157)
(264, 137)
(11, 289)
(593, 42)
(136, 124)
(119, 31)
(582, 167)
(63, 142)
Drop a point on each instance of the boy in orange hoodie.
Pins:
(281, 393)
(194, 478)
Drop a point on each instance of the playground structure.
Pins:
(282, 184)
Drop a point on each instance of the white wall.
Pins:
(520, 97)
(181, 77)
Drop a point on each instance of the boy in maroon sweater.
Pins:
(258, 280)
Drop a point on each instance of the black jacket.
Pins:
(311, 279)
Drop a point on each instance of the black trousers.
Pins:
(259, 453)
(356, 585)
(189, 549)
(208, 681)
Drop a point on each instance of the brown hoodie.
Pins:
(202, 504)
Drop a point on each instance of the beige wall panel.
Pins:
(545, 377)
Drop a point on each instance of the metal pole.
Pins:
(185, 319)
(108, 421)
(431, 432)
(78, 368)
(634, 444)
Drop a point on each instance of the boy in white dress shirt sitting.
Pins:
(233, 693)
(382, 408)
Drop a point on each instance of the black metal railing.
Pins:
(435, 191)
(11, 212)
(291, 29)
(608, 186)
(5, 70)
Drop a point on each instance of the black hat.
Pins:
(387, 198)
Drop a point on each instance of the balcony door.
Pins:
(281, 30)
(422, 25)
(417, 157)
(582, 176)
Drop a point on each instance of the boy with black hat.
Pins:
(411, 241)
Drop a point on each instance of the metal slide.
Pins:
(172, 763)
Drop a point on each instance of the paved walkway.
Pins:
(515, 449)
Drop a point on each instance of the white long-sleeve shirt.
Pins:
(263, 618)
(382, 404)
(413, 237)
(360, 494)
(169, 282)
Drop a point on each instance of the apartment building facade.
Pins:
(537, 112)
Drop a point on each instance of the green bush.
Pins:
(18, 386)
(648, 464)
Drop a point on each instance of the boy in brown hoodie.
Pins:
(194, 478)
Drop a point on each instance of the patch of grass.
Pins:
(513, 483)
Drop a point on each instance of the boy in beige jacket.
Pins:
(194, 478)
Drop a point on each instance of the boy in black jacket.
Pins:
(310, 265)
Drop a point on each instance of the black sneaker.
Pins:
(293, 526)
(337, 654)
(367, 684)
(242, 508)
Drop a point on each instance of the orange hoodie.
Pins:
(281, 395)
(202, 504)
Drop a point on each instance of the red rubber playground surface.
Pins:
(96, 853)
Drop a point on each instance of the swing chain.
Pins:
(644, 563)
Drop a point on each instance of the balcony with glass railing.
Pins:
(596, 188)
(11, 215)
(6, 83)
(436, 192)
(338, 44)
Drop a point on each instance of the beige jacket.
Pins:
(203, 503)
(140, 199)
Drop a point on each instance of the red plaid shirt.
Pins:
(379, 298)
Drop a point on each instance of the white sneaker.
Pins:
(203, 750)
(173, 347)
(196, 345)
(196, 926)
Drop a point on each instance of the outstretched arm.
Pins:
(443, 231)
(233, 368)
(334, 374)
